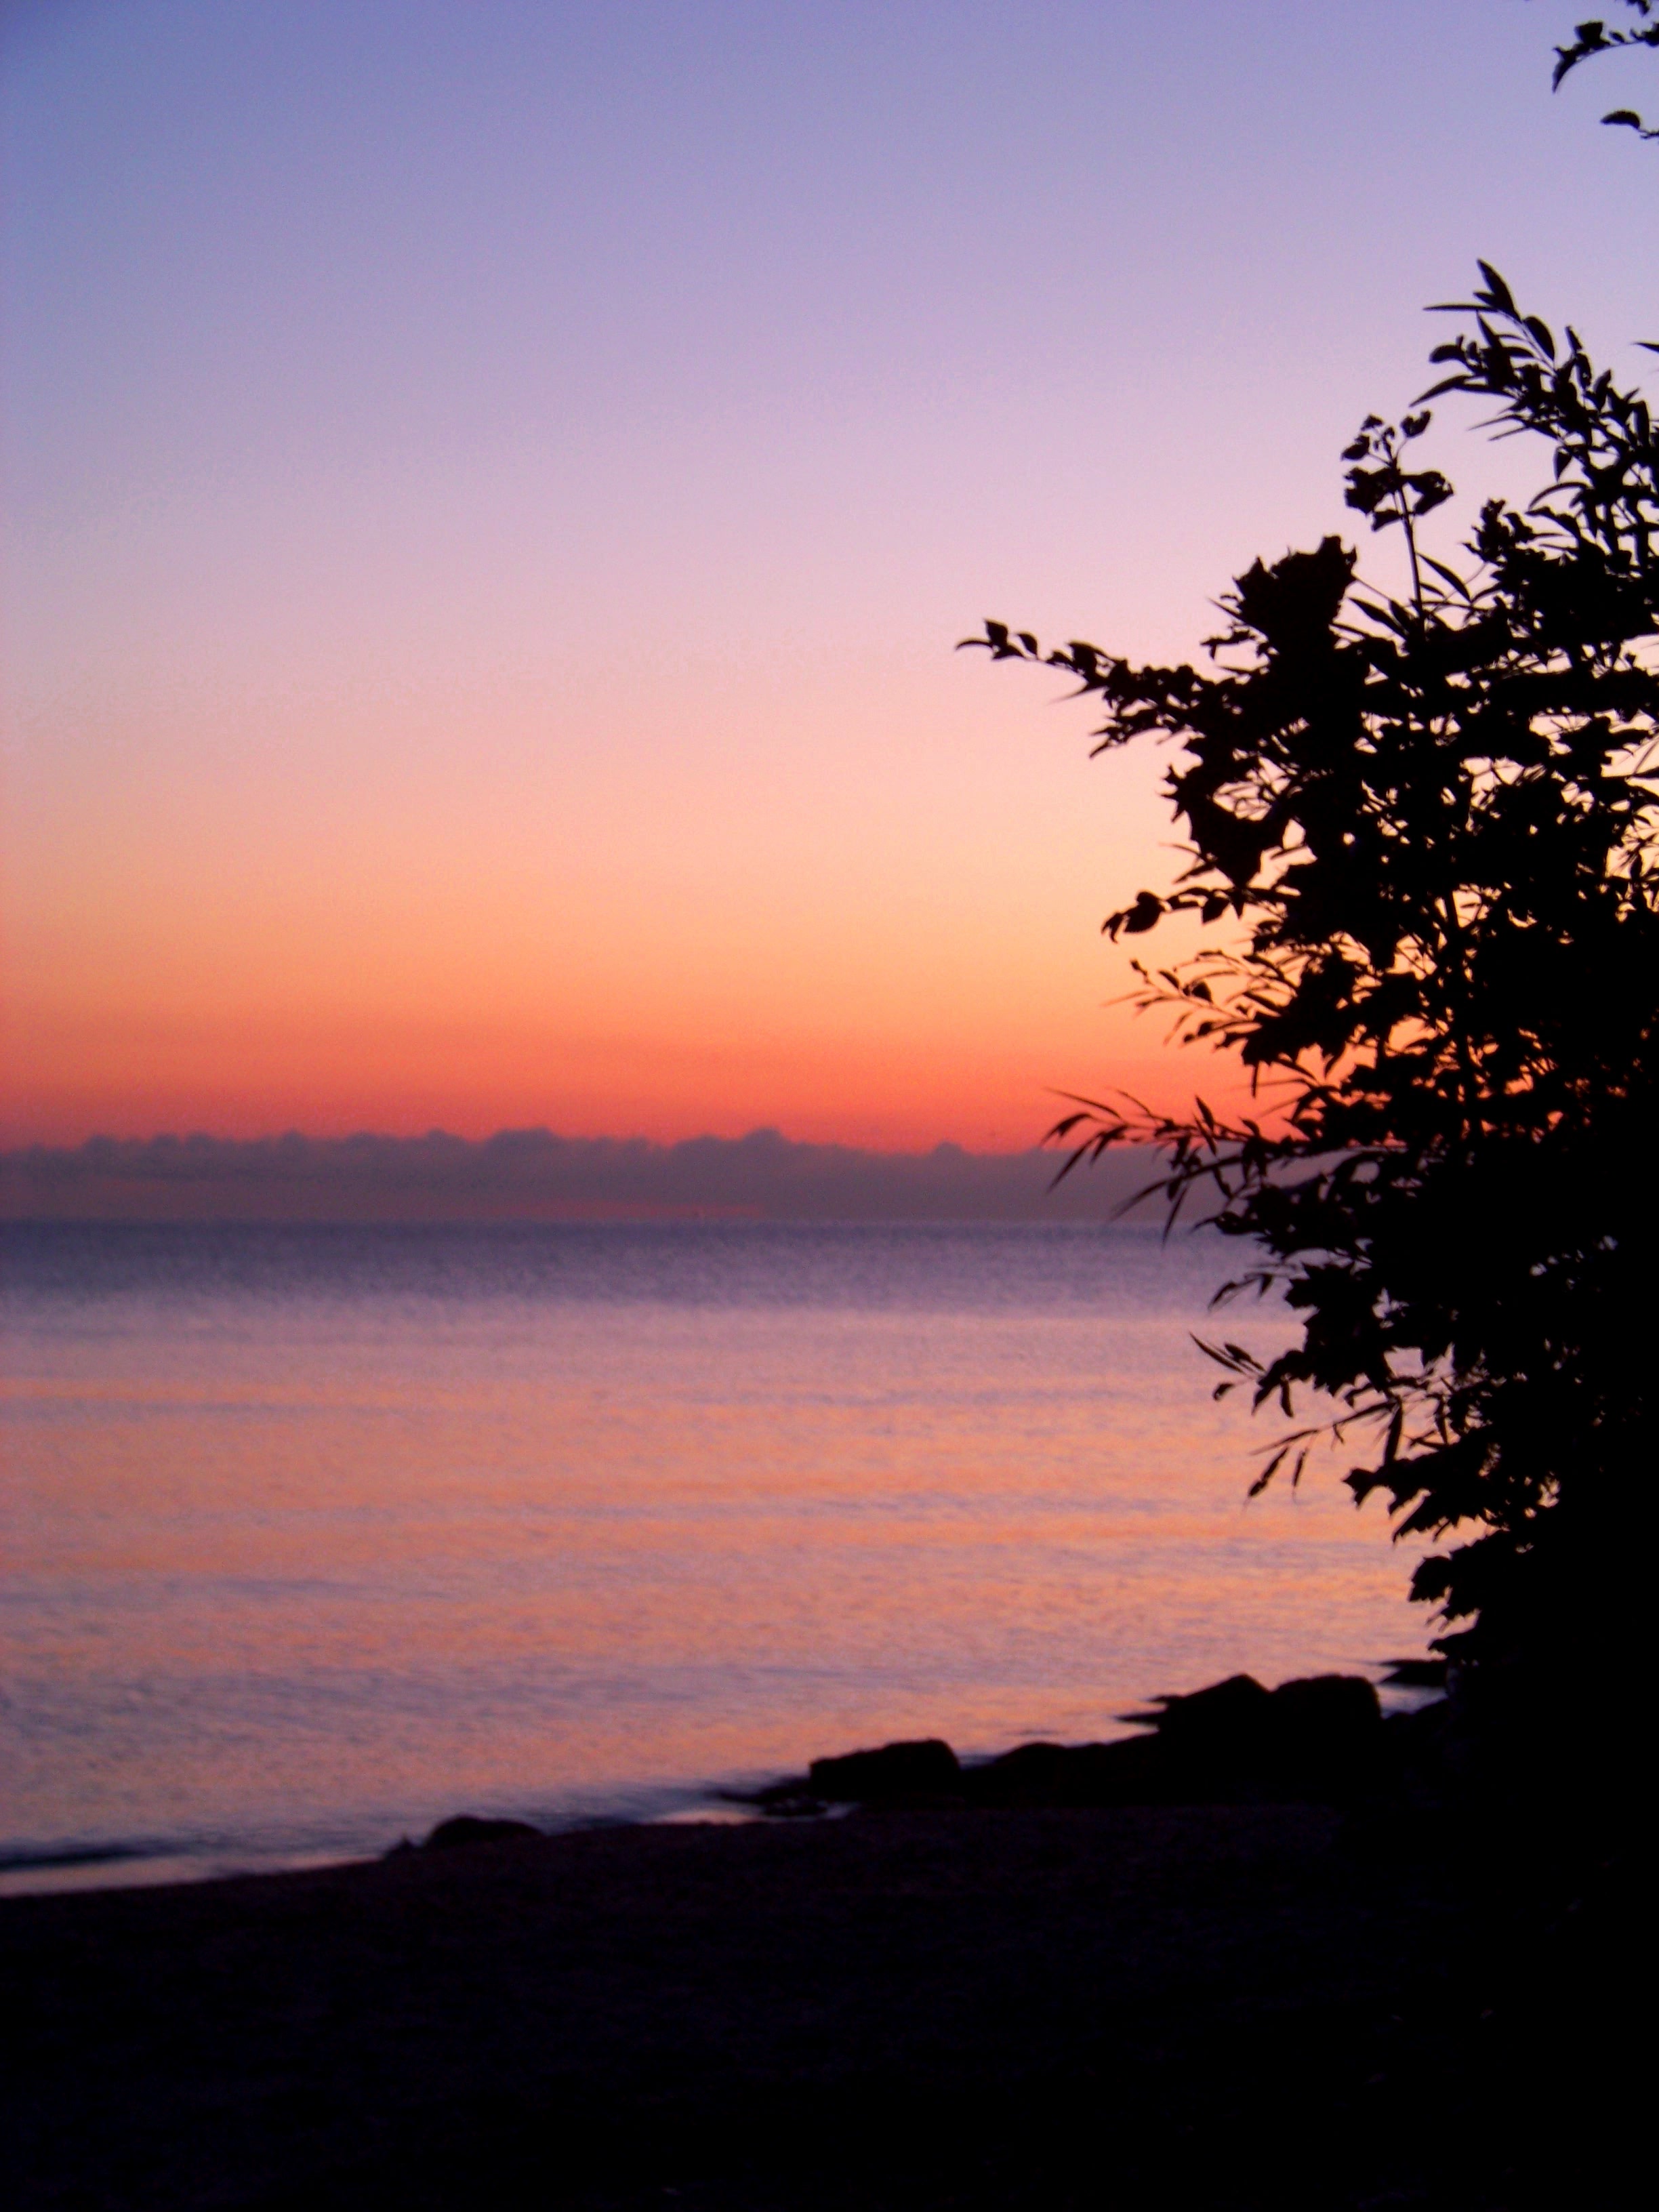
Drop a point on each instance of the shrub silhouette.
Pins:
(1426, 826)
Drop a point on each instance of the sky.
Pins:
(491, 492)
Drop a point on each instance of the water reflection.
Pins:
(314, 1536)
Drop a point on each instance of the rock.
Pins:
(1084, 1774)
(1207, 1746)
(1321, 1709)
(1318, 1738)
(1323, 1736)
(1223, 1721)
(466, 1828)
(1031, 1774)
(925, 1768)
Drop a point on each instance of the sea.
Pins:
(311, 1537)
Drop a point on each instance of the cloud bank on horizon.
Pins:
(532, 1175)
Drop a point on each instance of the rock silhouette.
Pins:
(928, 1768)
(466, 1829)
(1318, 1740)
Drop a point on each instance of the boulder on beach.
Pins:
(1315, 1737)
(467, 1828)
(928, 1768)
(1317, 1740)
(1234, 1741)
(1323, 1732)
(1212, 1723)
(1072, 1775)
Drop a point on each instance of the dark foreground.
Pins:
(1243, 2006)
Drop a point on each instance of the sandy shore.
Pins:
(1180, 2006)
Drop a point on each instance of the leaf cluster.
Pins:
(1593, 39)
(1422, 832)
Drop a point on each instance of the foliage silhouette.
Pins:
(1428, 827)
(1593, 38)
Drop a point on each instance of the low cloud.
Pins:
(531, 1175)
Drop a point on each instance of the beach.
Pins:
(1209, 2005)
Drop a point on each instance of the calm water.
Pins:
(312, 1537)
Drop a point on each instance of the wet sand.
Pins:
(1207, 2006)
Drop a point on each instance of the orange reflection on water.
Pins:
(295, 1561)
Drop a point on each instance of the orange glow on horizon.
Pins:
(602, 938)
(245, 1078)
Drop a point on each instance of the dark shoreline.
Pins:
(904, 2007)
(1272, 2004)
(1219, 1752)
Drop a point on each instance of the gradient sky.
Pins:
(492, 489)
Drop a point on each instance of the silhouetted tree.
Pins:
(1425, 827)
